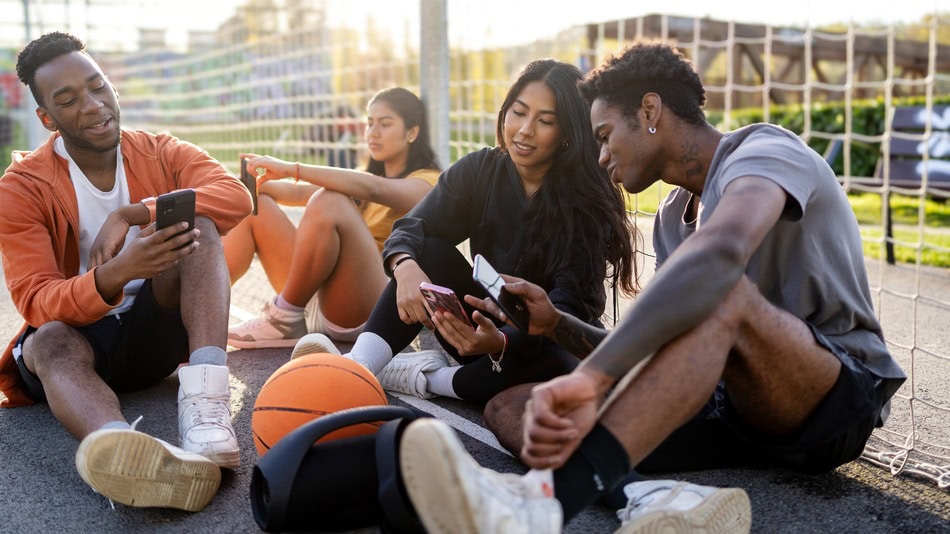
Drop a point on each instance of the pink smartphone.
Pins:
(443, 299)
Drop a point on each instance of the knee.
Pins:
(740, 306)
(55, 343)
(209, 232)
(325, 208)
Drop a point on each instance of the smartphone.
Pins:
(443, 299)
(175, 207)
(494, 284)
(250, 182)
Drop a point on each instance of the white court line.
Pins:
(451, 418)
(459, 423)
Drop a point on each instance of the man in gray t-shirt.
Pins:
(757, 339)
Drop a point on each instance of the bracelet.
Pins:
(400, 261)
(296, 172)
(496, 364)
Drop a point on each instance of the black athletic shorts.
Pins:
(833, 435)
(132, 351)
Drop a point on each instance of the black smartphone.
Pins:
(175, 207)
(250, 182)
(494, 284)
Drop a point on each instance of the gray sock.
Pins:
(209, 356)
(372, 351)
(439, 381)
(116, 425)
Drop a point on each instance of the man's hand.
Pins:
(111, 237)
(558, 415)
(543, 316)
(148, 255)
(408, 275)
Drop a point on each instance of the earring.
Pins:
(565, 144)
(651, 129)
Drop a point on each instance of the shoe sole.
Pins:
(726, 511)
(313, 347)
(135, 469)
(429, 463)
(225, 459)
(282, 343)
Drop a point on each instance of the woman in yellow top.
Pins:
(334, 252)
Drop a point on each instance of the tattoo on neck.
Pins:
(690, 158)
(576, 336)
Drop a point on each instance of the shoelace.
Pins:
(209, 410)
(634, 505)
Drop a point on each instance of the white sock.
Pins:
(208, 355)
(440, 381)
(283, 305)
(372, 351)
(116, 425)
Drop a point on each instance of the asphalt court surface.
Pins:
(42, 492)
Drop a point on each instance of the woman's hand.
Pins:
(408, 275)
(274, 169)
(468, 341)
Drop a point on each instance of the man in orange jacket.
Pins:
(111, 304)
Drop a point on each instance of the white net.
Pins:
(284, 81)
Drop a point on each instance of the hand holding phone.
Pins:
(444, 300)
(175, 207)
(250, 182)
(494, 284)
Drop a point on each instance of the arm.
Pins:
(400, 194)
(694, 280)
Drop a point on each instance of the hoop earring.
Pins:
(651, 129)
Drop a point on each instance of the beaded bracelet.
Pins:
(496, 364)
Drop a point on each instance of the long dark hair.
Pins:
(577, 212)
(413, 113)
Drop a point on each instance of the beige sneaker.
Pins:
(405, 372)
(136, 469)
(204, 414)
(681, 508)
(270, 330)
(312, 344)
(453, 494)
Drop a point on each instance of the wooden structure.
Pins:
(746, 61)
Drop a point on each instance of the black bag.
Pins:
(339, 485)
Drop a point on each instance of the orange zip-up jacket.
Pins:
(39, 228)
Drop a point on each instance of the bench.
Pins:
(902, 167)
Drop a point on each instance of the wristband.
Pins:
(496, 364)
(399, 262)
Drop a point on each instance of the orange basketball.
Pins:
(309, 387)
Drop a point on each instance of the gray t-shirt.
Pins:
(810, 263)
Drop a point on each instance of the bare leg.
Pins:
(200, 286)
(336, 257)
(504, 414)
(63, 360)
(774, 370)
(270, 235)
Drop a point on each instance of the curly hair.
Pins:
(40, 52)
(577, 212)
(648, 67)
(413, 113)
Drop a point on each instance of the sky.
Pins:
(477, 23)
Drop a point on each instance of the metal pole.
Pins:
(434, 73)
(35, 135)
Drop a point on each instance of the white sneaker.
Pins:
(136, 469)
(312, 344)
(270, 330)
(453, 494)
(405, 372)
(204, 414)
(680, 507)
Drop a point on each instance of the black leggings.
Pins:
(475, 380)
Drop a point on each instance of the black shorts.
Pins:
(132, 351)
(834, 434)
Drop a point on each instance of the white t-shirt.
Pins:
(94, 207)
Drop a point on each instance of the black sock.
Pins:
(592, 471)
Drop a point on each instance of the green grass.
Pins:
(867, 209)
